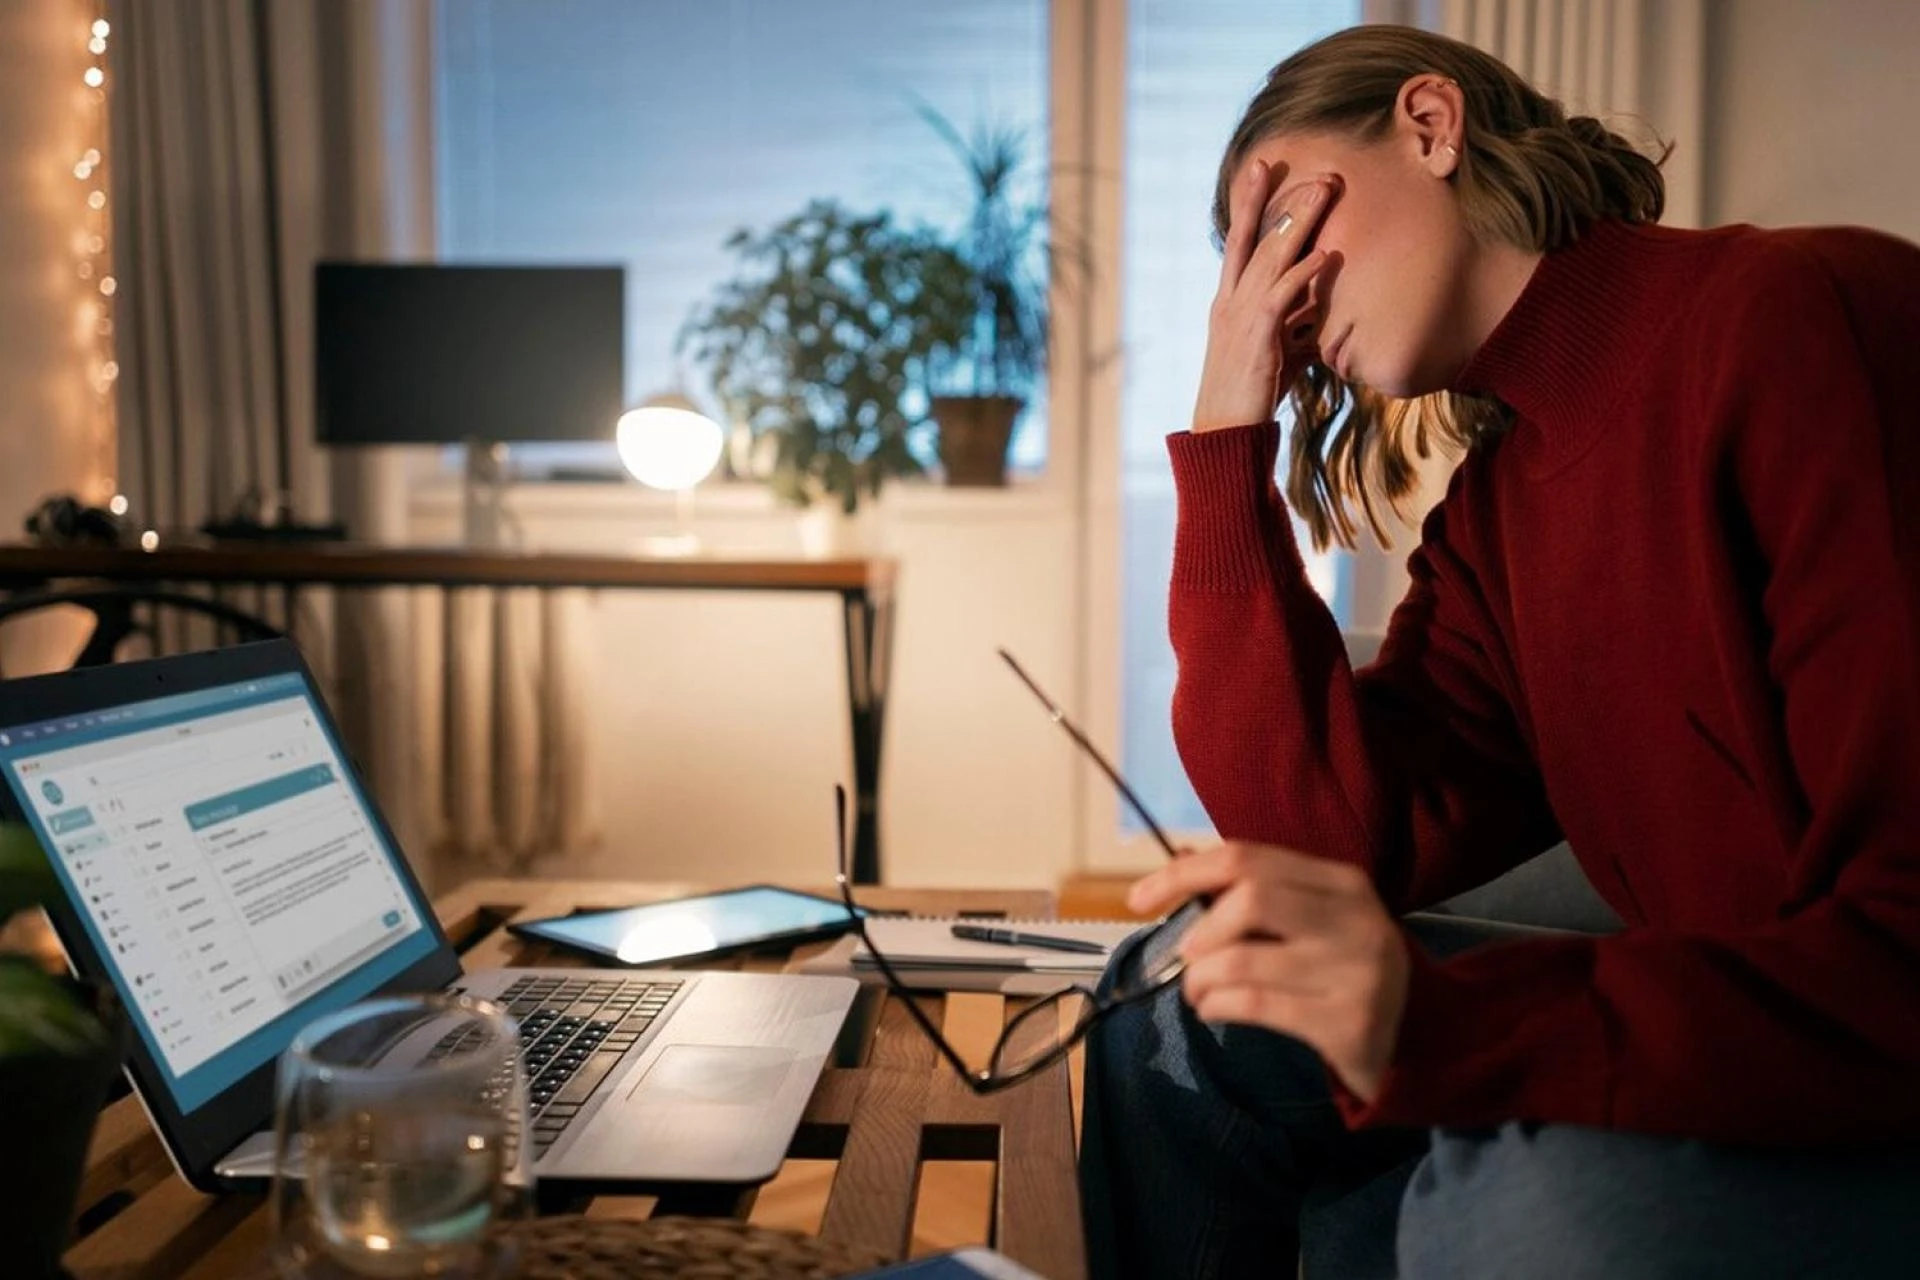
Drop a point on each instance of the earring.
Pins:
(1451, 150)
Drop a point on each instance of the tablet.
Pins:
(683, 928)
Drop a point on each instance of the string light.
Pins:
(92, 246)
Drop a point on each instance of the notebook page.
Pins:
(925, 942)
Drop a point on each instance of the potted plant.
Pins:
(1011, 254)
(820, 346)
(57, 1059)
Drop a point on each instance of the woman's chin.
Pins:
(1396, 384)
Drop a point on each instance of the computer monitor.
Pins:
(431, 354)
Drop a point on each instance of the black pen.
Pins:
(1015, 938)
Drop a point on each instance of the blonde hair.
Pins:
(1528, 175)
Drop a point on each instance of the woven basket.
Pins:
(576, 1248)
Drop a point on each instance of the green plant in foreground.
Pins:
(39, 1014)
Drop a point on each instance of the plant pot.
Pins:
(974, 434)
(50, 1102)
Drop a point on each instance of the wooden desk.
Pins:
(864, 585)
(888, 1108)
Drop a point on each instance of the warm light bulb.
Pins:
(149, 541)
(97, 45)
(107, 286)
(667, 448)
(92, 156)
(98, 200)
(118, 504)
(94, 77)
(83, 171)
(101, 29)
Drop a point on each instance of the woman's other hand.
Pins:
(1263, 322)
(1297, 944)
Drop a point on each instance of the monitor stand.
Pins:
(483, 506)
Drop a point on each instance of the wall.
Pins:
(47, 442)
(721, 718)
(1812, 108)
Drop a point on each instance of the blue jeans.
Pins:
(1217, 1151)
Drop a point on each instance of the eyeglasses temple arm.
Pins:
(860, 926)
(919, 1015)
(1086, 744)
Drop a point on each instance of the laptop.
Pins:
(225, 871)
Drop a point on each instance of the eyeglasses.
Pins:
(1046, 1031)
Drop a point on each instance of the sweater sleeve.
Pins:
(1415, 768)
(1799, 1029)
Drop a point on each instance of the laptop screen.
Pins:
(219, 852)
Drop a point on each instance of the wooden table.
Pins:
(885, 1110)
(863, 584)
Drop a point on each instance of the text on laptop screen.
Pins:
(221, 856)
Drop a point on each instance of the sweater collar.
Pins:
(1574, 337)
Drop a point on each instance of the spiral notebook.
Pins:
(925, 953)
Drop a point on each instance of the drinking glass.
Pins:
(399, 1144)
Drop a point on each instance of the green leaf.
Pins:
(824, 334)
(39, 1015)
(26, 877)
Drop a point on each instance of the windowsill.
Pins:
(1024, 498)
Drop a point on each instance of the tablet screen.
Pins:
(686, 927)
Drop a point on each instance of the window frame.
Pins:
(1088, 120)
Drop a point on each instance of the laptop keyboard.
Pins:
(572, 1033)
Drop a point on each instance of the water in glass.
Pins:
(399, 1140)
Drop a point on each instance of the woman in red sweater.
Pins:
(1669, 611)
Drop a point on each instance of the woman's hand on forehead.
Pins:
(1279, 204)
(1260, 326)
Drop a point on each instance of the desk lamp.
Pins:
(668, 444)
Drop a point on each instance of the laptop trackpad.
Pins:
(722, 1075)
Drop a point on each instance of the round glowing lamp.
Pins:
(668, 444)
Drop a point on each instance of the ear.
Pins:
(1431, 114)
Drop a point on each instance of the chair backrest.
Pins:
(116, 616)
(1548, 891)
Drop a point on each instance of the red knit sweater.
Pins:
(1671, 617)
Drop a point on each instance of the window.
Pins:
(644, 134)
(1191, 69)
(609, 130)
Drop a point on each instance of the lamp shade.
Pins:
(668, 444)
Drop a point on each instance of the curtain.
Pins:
(203, 254)
(505, 772)
(1638, 64)
(254, 138)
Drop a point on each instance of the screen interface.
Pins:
(223, 860)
